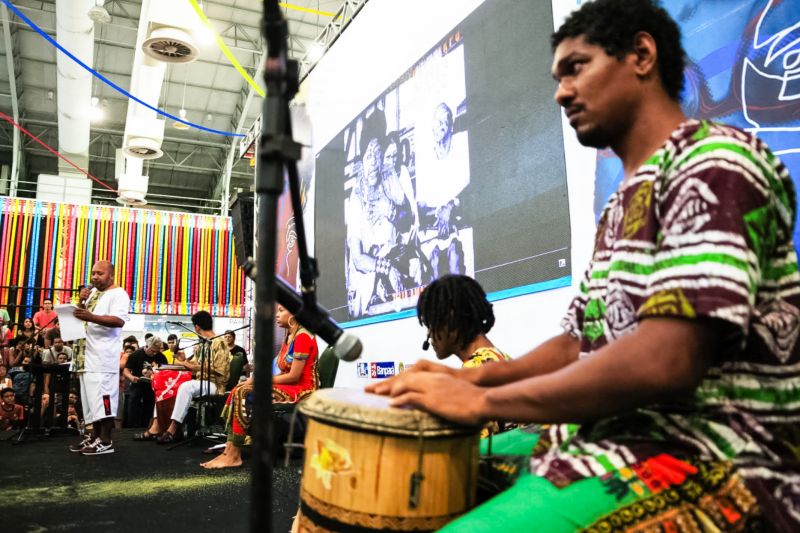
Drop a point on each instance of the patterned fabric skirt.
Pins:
(290, 393)
(237, 415)
(660, 494)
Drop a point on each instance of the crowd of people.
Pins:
(36, 340)
(148, 384)
(670, 400)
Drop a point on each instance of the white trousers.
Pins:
(187, 391)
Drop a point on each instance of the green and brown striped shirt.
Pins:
(703, 230)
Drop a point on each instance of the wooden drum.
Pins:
(369, 466)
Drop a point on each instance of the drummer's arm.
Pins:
(625, 374)
(553, 354)
(550, 356)
(293, 375)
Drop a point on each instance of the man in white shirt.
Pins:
(97, 357)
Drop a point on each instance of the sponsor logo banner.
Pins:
(376, 370)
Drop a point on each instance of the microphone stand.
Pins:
(210, 338)
(278, 152)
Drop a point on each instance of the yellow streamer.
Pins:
(226, 50)
(306, 9)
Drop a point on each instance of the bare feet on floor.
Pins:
(223, 461)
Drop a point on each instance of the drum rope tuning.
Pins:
(417, 477)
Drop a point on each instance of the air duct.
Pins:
(169, 38)
(143, 137)
(74, 30)
(170, 45)
(160, 22)
(132, 190)
(131, 182)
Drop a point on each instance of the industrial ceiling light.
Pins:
(96, 114)
(182, 111)
(180, 125)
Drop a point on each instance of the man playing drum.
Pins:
(680, 355)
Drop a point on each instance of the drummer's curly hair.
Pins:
(613, 25)
(455, 303)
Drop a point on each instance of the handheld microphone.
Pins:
(82, 301)
(346, 346)
(426, 344)
(174, 322)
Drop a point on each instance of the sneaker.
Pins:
(98, 448)
(77, 448)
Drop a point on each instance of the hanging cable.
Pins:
(108, 82)
(54, 152)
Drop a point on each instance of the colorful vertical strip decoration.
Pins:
(172, 263)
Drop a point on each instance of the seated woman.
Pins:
(28, 334)
(458, 316)
(297, 364)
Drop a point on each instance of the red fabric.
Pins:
(166, 382)
(303, 345)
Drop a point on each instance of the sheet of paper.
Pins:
(71, 328)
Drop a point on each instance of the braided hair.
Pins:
(455, 303)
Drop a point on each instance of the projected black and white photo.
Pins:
(424, 179)
(406, 166)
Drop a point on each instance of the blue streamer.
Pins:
(54, 256)
(33, 247)
(108, 82)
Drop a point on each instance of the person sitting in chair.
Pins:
(458, 316)
(297, 362)
(212, 383)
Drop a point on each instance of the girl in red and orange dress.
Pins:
(296, 362)
(295, 377)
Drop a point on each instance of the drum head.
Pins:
(363, 411)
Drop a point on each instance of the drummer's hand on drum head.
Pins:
(384, 386)
(443, 395)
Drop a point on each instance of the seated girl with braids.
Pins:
(295, 377)
(458, 316)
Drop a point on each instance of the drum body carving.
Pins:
(372, 467)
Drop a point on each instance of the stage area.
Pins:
(142, 487)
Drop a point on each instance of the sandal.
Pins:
(166, 438)
(144, 435)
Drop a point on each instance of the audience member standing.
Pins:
(138, 371)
